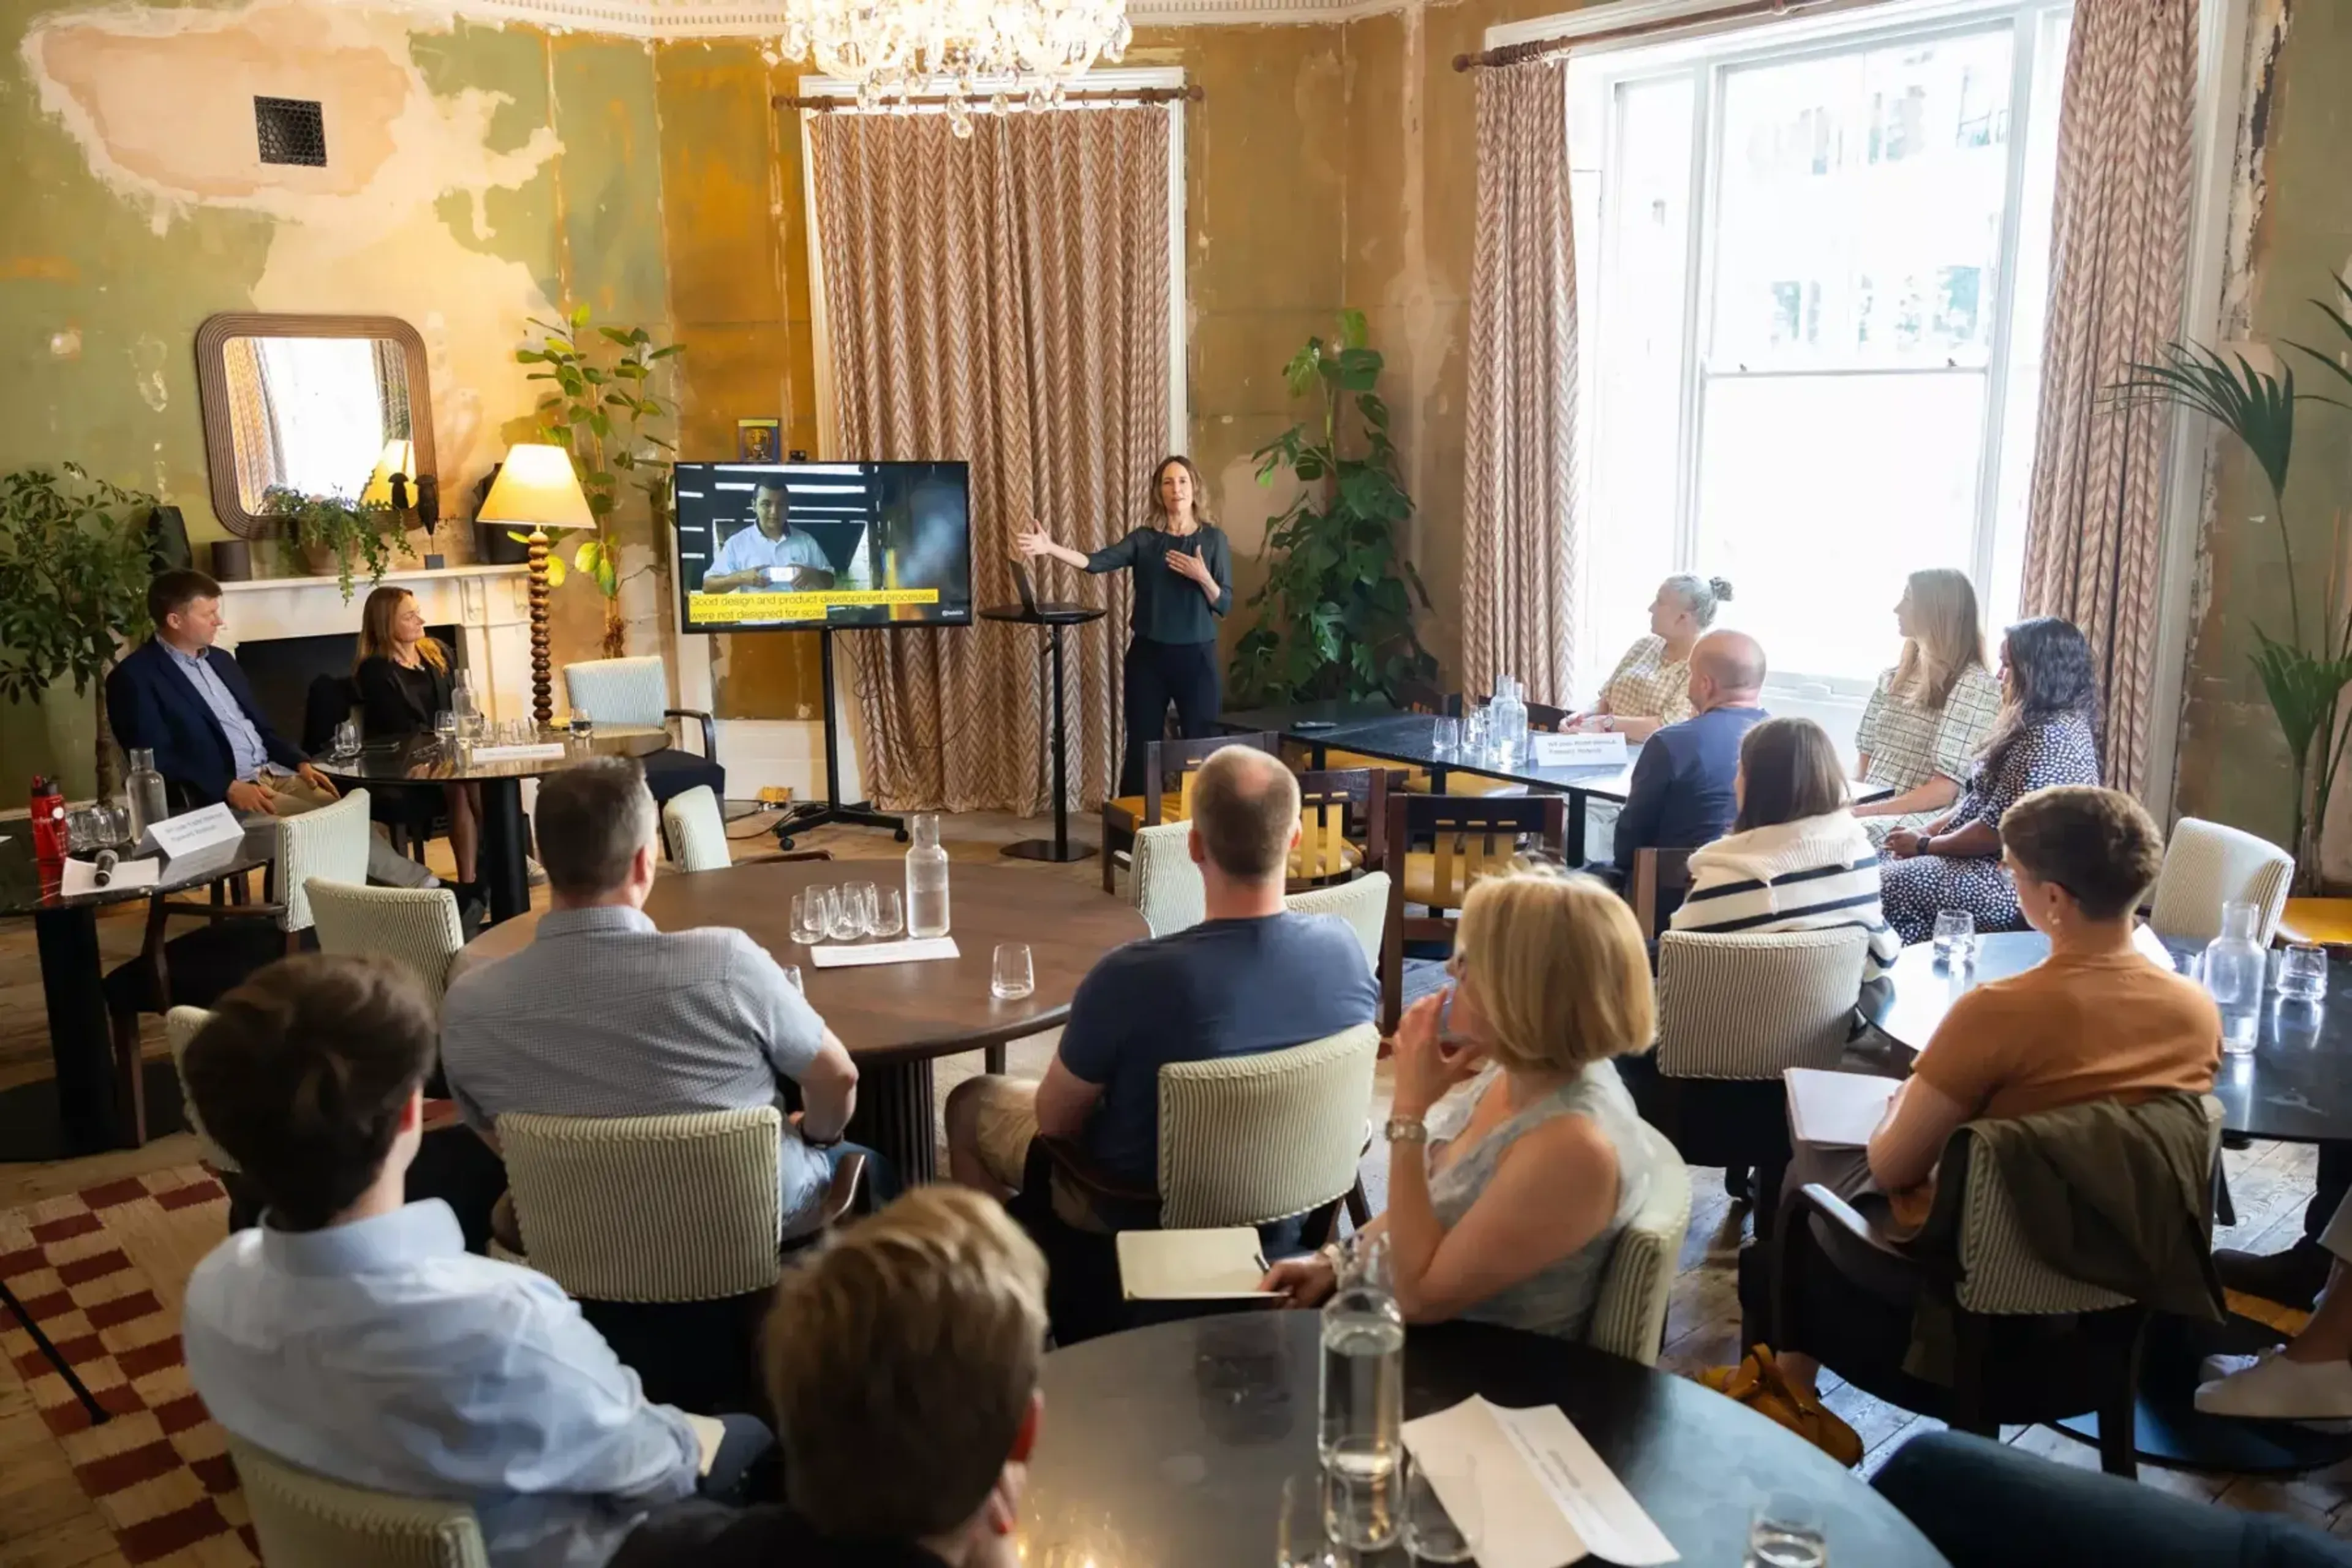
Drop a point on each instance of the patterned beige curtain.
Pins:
(2118, 256)
(253, 422)
(1518, 490)
(1003, 300)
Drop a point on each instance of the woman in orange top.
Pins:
(2096, 1020)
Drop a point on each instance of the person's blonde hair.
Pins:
(1244, 805)
(1557, 965)
(901, 1358)
(377, 639)
(1950, 639)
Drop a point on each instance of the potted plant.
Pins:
(2303, 674)
(74, 568)
(332, 531)
(1336, 611)
(603, 394)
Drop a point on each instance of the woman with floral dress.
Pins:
(1931, 713)
(2045, 737)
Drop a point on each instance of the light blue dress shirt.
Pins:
(750, 550)
(605, 1014)
(382, 1353)
(244, 740)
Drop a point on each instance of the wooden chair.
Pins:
(303, 1520)
(1342, 825)
(2031, 1343)
(1661, 878)
(666, 1229)
(1168, 769)
(195, 969)
(1629, 1318)
(1251, 1139)
(1469, 837)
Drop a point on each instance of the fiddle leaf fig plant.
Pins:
(1336, 611)
(604, 409)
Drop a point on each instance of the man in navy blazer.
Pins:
(1682, 793)
(188, 701)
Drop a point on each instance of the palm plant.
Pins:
(2304, 681)
(1335, 612)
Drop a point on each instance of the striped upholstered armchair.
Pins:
(634, 692)
(301, 1516)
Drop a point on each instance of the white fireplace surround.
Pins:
(489, 606)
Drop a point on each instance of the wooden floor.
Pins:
(46, 1522)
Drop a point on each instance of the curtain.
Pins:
(1518, 491)
(252, 423)
(2119, 256)
(392, 388)
(1002, 298)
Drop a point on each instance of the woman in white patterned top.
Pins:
(1649, 687)
(1931, 713)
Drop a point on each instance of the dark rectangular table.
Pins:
(1378, 729)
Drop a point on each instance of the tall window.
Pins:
(1813, 264)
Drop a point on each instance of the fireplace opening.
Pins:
(282, 668)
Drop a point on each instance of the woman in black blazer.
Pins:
(404, 681)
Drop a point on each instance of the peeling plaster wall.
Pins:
(2290, 233)
(475, 177)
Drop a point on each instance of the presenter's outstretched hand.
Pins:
(1034, 543)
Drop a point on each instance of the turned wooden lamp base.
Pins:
(542, 686)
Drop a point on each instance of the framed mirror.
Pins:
(309, 402)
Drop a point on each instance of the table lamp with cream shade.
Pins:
(538, 486)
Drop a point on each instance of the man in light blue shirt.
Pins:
(746, 559)
(605, 1014)
(353, 1335)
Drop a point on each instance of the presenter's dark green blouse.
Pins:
(1170, 607)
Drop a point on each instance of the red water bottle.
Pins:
(48, 822)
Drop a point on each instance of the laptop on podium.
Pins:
(1032, 606)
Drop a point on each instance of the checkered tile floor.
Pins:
(100, 1271)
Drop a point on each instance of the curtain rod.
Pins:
(978, 102)
(1539, 48)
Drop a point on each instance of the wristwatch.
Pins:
(1407, 1129)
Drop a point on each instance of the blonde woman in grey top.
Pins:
(1512, 1217)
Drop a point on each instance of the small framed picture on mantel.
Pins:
(758, 440)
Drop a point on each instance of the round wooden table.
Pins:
(897, 1017)
(424, 760)
(1170, 1444)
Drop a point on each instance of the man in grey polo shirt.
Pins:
(603, 1014)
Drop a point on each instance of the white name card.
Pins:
(535, 751)
(193, 830)
(913, 951)
(1603, 749)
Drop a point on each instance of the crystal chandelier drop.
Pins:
(903, 47)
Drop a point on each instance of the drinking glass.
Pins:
(1302, 1543)
(1445, 737)
(1434, 1529)
(809, 923)
(2303, 973)
(81, 831)
(868, 905)
(845, 913)
(1012, 977)
(1955, 936)
(1359, 1498)
(793, 974)
(584, 723)
(1785, 1531)
(1473, 733)
(347, 739)
(444, 727)
(890, 918)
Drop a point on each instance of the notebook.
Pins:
(1190, 1264)
(1836, 1109)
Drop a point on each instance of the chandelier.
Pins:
(903, 47)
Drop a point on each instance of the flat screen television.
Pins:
(794, 546)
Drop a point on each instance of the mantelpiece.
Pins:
(488, 605)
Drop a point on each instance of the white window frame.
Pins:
(2218, 130)
(1100, 81)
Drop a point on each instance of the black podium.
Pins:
(1053, 617)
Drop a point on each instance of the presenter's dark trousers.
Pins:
(1159, 673)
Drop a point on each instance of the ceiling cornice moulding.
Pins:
(660, 19)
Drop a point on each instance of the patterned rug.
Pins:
(102, 1272)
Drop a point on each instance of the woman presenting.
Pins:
(1183, 581)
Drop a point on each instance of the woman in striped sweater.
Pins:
(1795, 858)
